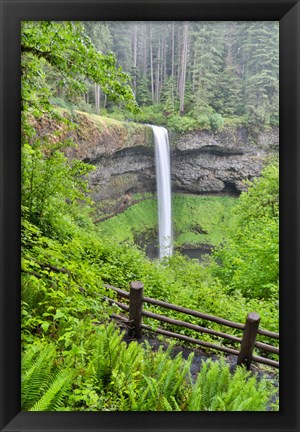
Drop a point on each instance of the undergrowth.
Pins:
(116, 376)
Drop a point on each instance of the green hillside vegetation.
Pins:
(73, 356)
(62, 294)
(132, 378)
(196, 220)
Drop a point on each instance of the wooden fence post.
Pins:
(135, 309)
(248, 340)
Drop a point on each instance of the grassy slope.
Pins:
(196, 219)
(201, 219)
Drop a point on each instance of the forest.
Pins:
(189, 77)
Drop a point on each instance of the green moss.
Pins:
(201, 219)
(136, 219)
(128, 130)
(196, 220)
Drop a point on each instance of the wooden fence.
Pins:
(247, 341)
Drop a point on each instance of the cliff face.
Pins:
(201, 161)
(209, 162)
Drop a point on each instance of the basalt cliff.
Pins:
(201, 161)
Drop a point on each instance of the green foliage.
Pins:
(54, 189)
(65, 47)
(232, 68)
(203, 121)
(169, 96)
(64, 306)
(228, 93)
(133, 377)
(235, 121)
(126, 226)
(181, 123)
(60, 102)
(116, 376)
(86, 107)
(216, 390)
(216, 121)
(143, 95)
(232, 71)
(201, 219)
(45, 384)
(209, 44)
(249, 258)
(259, 49)
(196, 220)
(151, 114)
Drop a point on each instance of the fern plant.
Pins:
(44, 384)
(217, 390)
(165, 381)
(133, 377)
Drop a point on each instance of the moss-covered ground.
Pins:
(197, 220)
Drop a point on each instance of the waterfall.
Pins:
(163, 184)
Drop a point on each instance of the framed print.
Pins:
(149, 215)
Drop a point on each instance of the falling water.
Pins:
(163, 184)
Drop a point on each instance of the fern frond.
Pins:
(52, 399)
(36, 373)
(217, 390)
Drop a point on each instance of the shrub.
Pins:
(216, 121)
(59, 101)
(203, 121)
(235, 121)
(249, 258)
(181, 123)
(83, 106)
(151, 114)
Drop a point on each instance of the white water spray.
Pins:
(163, 184)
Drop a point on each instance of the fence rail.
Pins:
(247, 341)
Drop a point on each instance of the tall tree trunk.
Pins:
(194, 70)
(173, 50)
(134, 51)
(164, 56)
(157, 78)
(151, 64)
(97, 99)
(144, 57)
(178, 55)
(229, 44)
(182, 78)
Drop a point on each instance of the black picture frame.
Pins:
(287, 12)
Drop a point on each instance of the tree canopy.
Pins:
(198, 68)
(65, 47)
